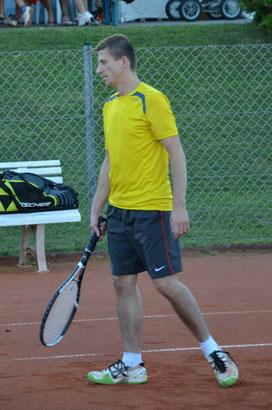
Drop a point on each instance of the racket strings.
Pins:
(60, 314)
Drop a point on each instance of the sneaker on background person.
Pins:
(27, 16)
(12, 21)
(85, 18)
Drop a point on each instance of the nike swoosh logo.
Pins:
(158, 269)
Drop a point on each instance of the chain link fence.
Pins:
(51, 108)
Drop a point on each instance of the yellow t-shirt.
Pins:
(134, 125)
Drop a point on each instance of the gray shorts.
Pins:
(142, 241)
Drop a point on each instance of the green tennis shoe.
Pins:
(119, 373)
(224, 367)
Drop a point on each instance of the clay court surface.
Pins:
(234, 291)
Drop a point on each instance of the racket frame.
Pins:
(80, 268)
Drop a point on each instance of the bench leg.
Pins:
(37, 251)
(25, 249)
(40, 248)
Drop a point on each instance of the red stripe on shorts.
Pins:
(165, 245)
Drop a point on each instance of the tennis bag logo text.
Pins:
(33, 205)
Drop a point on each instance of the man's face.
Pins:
(109, 69)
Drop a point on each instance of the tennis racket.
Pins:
(63, 305)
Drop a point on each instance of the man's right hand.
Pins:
(94, 226)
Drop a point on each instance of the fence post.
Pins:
(89, 117)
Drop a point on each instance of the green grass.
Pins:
(64, 38)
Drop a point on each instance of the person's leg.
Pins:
(184, 304)
(20, 3)
(2, 10)
(14, 21)
(47, 5)
(125, 266)
(85, 16)
(64, 11)
(129, 370)
(80, 5)
(163, 258)
(63, 6)
(129, 309)
(27, 12)
(186, 307)
(17, 12)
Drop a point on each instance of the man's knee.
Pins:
(170, 287)
(125, 285)
(165, 285)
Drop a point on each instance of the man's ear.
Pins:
(125, 62)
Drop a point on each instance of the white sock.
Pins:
(209, 346)
(132, 359)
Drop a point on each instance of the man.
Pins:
(144, 218)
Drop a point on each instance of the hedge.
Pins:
(263, 13)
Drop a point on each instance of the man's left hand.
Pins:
(179, 221)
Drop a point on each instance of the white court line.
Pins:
(245, 312)
(145, 317)
(177, 349)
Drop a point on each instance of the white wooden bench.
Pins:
(35, 222)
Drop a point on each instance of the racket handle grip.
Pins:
(93, 239)
(101, 219)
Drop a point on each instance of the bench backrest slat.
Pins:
(47, 169)
(28, 164)
(39, 171)
(58, 180)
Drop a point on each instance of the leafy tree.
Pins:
(263, 12)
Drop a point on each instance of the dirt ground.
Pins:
(234, 292)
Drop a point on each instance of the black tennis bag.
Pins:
(27, 192)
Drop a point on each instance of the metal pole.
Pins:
(89, 117)
(115, 12)
(107, 11)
